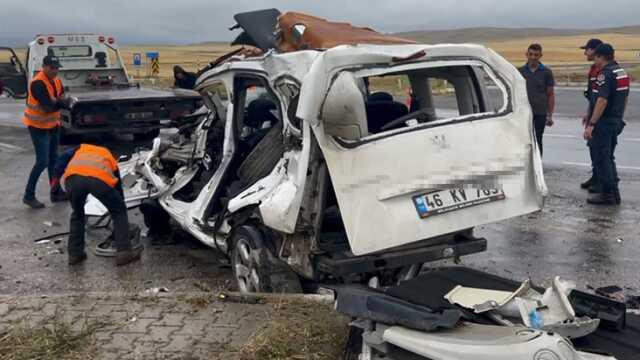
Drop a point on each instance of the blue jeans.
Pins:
(45, 142)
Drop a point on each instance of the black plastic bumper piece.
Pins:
(611, 313)
(400, 258)
(363, 303)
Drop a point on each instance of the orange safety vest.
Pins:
(93, 161)
(34, 115)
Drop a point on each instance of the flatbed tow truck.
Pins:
(102, 97)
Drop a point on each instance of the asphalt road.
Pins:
(592, 245)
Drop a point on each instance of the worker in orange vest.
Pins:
(91, 169)
(42, 118)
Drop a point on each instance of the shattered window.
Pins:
(216, 98)
(495, 97)
(417, 95)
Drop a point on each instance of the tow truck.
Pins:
(102, 96)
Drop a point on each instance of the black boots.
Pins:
(32, 203)
(589, 183)
(75, 260)
(59, 196)
(603, 199)
(127, 257)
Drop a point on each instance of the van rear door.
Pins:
(461, 154)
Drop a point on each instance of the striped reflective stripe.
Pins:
(91, 163)
(94, 162)
(40, 118)
(35, 107)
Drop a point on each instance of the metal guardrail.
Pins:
(576, 74)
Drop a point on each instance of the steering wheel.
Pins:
(420, 115)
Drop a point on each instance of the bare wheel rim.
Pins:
(246, 274)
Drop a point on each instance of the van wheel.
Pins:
(255, 268)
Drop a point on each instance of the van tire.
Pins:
(255, 268)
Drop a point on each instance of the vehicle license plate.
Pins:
(445, 201)
(139, 115)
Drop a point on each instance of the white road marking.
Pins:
(580, 137)
(10, 147)
(589, 165)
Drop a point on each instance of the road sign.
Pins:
(153, 54)
(137, 59)
(155, 67)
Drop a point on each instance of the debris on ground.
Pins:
(614, 292)
(155, 291)
(633, 302)
(51, 223)
(549, 310)
(315, 329)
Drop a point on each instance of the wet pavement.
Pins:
(30, 268)
(595, 246)
(591, 245)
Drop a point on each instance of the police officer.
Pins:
(90, 169)
(589, 51)
(609, 98)
(42, 118)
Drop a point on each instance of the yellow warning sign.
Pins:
(155, 67)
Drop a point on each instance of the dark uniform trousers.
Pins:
(539, 124)
(78, 188)
(602, 147)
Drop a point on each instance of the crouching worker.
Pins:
(89, 169)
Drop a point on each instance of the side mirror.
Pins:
(343, 111)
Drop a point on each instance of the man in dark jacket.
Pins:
(183, 79)
(42, 118)
(540, 89)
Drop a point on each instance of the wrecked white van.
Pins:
(344, 163)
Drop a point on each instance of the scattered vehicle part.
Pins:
(51, 236)
(155, 291)
(101, 96)
(610, 312)
(477, 336)
(481, 300)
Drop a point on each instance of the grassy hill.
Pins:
(496, 34)
(561, 46)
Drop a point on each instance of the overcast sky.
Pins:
(188, 21)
